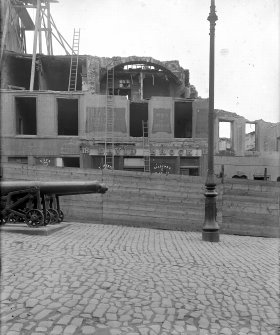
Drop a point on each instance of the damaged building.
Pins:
(127, 113)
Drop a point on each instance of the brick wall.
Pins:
(167, 202)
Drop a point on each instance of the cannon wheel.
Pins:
(12, 218)
(48, 218)
(54, 215)
(34, 218)
(61, 215)
(3, 220)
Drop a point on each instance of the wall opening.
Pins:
(133, 164)
(189, 166)
(278, 144)
(55, 73)
(250, 136)
(16, 72)
(183, 120)
(67, 117)
(138, 113)
(26, 123)
(155, 85)
(71, 161)
(225, 136)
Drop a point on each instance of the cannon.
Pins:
(37, 202)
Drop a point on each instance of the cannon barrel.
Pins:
(54, 187)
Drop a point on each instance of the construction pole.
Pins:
(5, 30)
(40, 31)
(210, 231)
(49, 34)
(35, 45)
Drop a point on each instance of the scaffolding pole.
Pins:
(35, 45)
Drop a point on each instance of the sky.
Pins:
(246, 43)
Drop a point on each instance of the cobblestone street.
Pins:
(101, 280)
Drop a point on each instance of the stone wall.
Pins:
(167, 202)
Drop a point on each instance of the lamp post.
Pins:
(210, 230)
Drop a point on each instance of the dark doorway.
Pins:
(138, 113)
(183, 120)
(26, 123)
(71, 161)
(67, 117)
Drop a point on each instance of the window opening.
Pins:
(225, 136)
(71, 161)
(67, 117)
(189, 166)
(250, 137)
(138, 113)
(183, 120)
(26, 123)
(133, 164)
(278, 144)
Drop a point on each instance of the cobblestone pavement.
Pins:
(110, 280)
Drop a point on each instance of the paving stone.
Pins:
(42, 314)
(141, 278)
(69, 330)
(88, 330)
(57, 330)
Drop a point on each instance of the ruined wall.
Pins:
(168, 202)
(94, 116)
(46, 143)
(268, 133)
(200, 118)
(96, 65)
(161, 117)
(249, 166)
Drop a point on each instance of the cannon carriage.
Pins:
(37, 203)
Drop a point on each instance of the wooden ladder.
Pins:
(146, 147)
(109, 129)
(72, 84)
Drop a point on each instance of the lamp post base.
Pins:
(210, 236)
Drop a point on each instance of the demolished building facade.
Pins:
(158, 120)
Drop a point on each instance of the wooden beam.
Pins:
(35, 46)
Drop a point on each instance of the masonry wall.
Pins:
(167, 202)
(251, 208)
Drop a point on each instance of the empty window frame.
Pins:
(250, 136)
(67, 117)
(225, 136)
(133, 164)
(138, 113)
(189, 166)
(71, 162)
(183, 120)
(26, 120)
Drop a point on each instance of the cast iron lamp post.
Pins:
(210, 230)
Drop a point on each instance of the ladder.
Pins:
(109, 127)
(72, 84)
(146, 147)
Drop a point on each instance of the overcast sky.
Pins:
(247, 43)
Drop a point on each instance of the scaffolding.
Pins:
(109, 125)
(43, 25)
